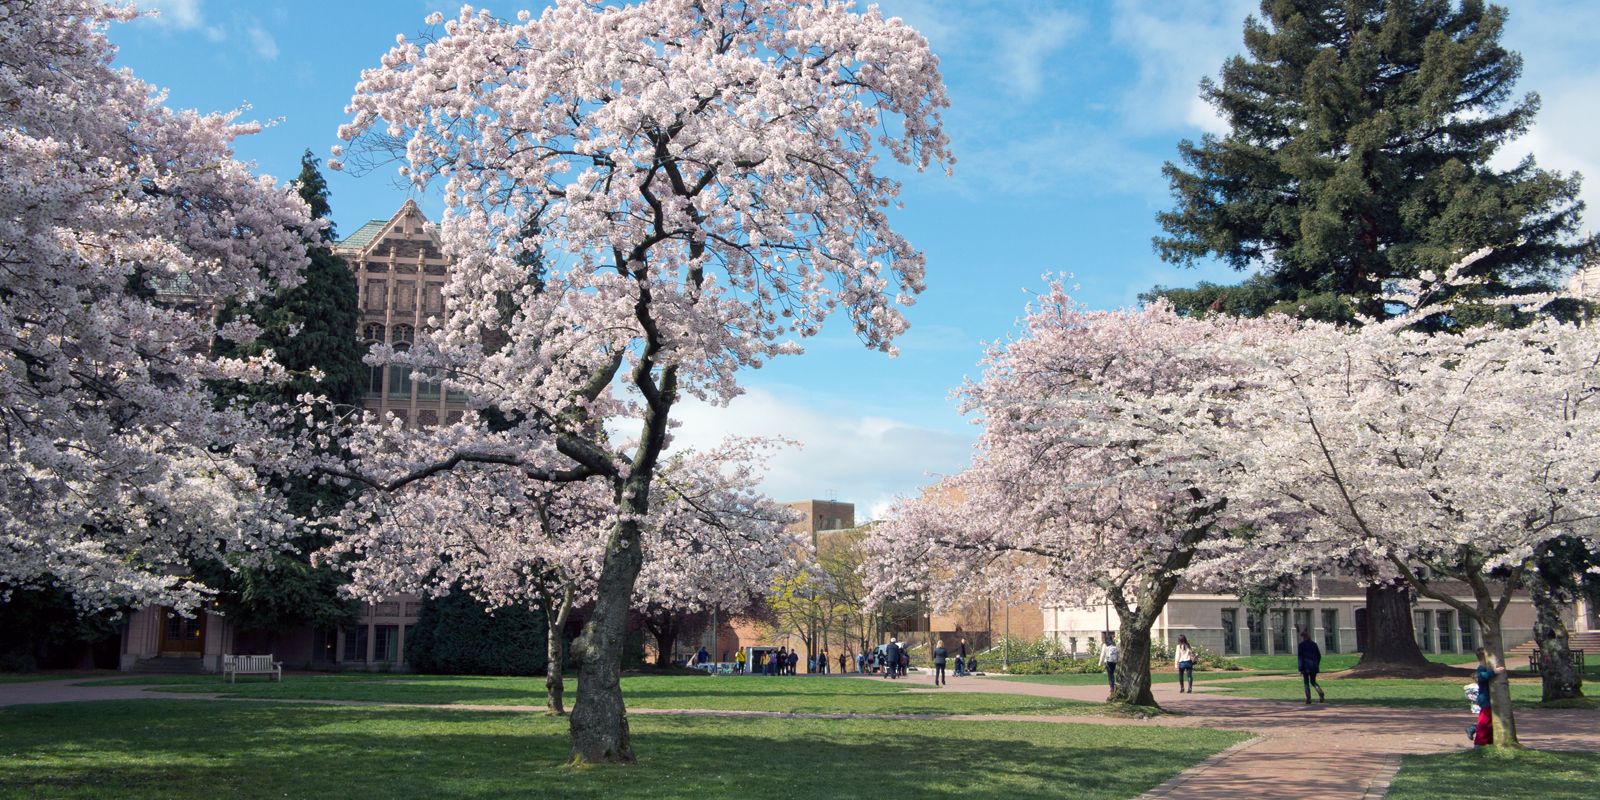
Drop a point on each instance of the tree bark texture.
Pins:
(599, 720)
(1559, 678)
(1390, 637)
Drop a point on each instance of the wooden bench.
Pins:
(234, 666)
(1537, 657)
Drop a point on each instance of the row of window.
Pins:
(1270, 633)
(1444, 631)
(385, 640)
(405, 296)
(399, 385)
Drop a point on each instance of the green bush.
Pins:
(455, 636)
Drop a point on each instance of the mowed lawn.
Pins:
(166, 749)
(798, 694)
(1395, 692)
(1490, 774)
(1099, 678)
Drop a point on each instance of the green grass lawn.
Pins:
(34, 677)
(754, 693)
(1489, 774)
(1401, 693)
(163, 749)
(1334, 662)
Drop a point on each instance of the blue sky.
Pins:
(1062, 114)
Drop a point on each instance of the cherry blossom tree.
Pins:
(705, 179)
(123, 225)
(711, 540)
(1450, 457)
(1092, 482)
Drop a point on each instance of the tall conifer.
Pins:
(1359, 151)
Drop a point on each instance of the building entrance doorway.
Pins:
(182, 636)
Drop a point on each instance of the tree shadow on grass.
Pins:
(148, 749)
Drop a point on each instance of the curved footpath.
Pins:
(1299, 752)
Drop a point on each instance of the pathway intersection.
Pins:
(1298, 751)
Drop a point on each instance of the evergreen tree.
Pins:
(1361, 136)
(310, 326)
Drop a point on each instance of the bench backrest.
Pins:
(248, 663)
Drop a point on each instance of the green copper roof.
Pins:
(364, 234)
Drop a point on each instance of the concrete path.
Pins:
(1298, 751)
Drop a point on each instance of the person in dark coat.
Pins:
(939, 656)
(1310, 664)
(891, 657)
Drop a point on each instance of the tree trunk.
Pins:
(666, 634)
(599, 720)
(1500, 713)
(1133, 665)
(1390, 637)
(1561, 681)
(556, 653)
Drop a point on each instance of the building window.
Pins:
(386, 643)
(1230, 631)
(1447, 631)
(1302, 622)
(400, 376)
(1258, 638)
(428, 388)
(325, 645)
(1424, 629)
(1330, 630)
(1280, 631)
(355, 643)
(1469, 634)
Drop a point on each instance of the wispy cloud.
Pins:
(1024, 48)
(178, 14)
(858, 458)
(1175, 42)
(262, 42)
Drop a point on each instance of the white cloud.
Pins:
(1082, 158)
(853, 457)
(1175, 43)
(1024, 48)
(263, 43)
(179, 14)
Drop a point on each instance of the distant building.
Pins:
(400, 274)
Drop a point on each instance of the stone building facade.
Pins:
(400, 274)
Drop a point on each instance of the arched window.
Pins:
(371, 334)
(400, 374)
(402, 333)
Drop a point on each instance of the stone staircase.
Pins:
(1588, 642)
(168, 666)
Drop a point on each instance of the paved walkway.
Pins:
(1298, 752)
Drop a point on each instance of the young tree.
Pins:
(706, 177)
(125, 225)
(1444, 457)
(1359, 147)
(711, 541)
(1093, 481)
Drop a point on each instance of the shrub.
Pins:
(455, 636)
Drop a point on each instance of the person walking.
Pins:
(1109, 654)
(1183, 655)
(794, 660)
(939, 656)
(1310, 664)
(738, 661)
(963, 664)
(905, 661)
(891, 656)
